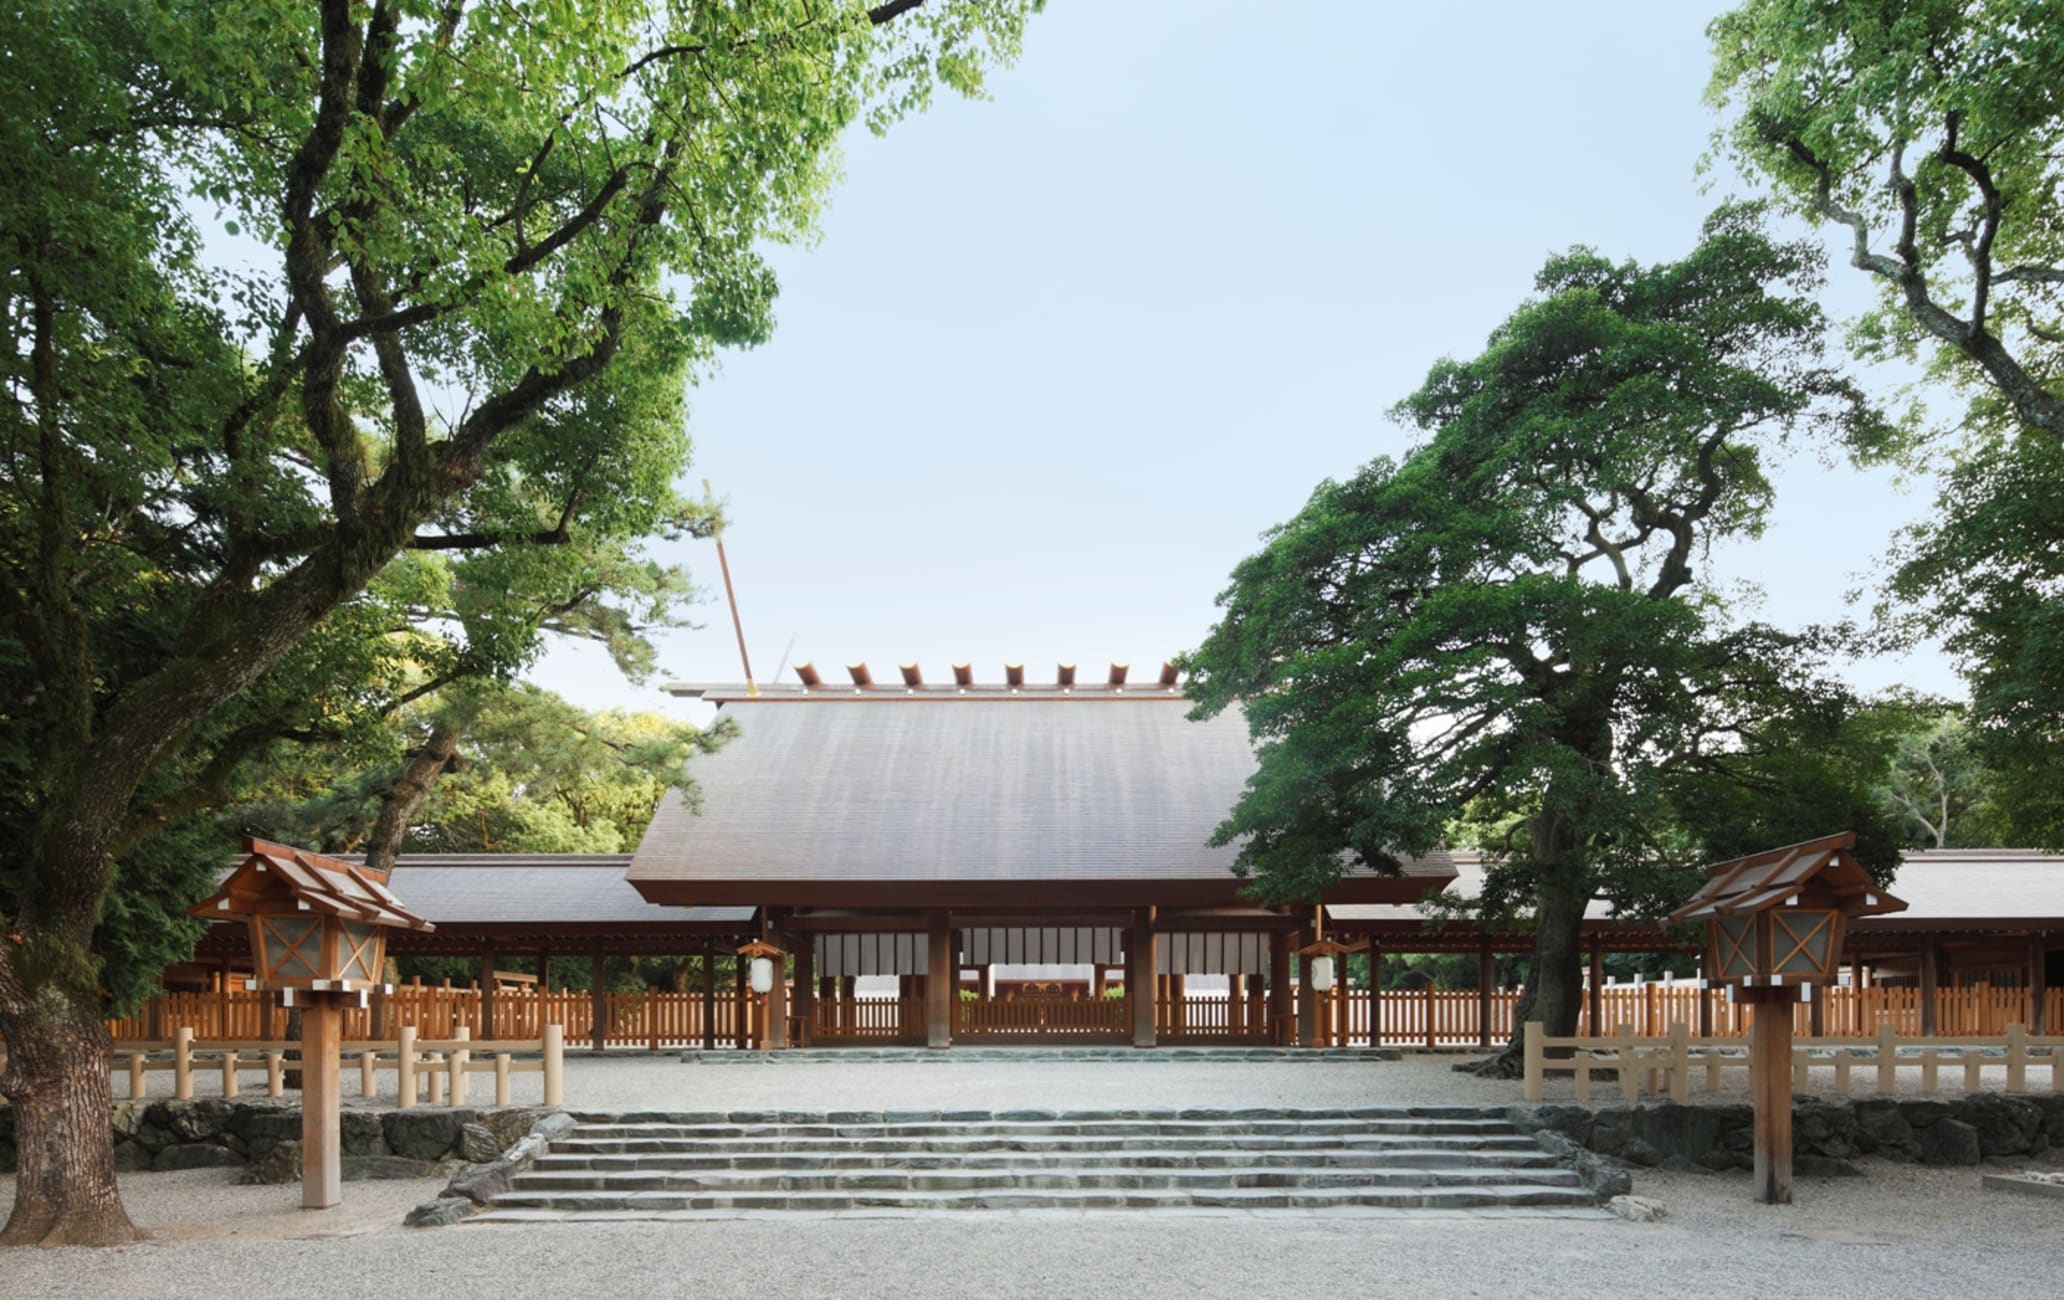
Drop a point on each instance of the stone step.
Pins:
(967, 1054)
(1410, 1155)
(524, 1207)
(1380, 1160)
(578, 1145)
(1047, 1128)
(1022, 1115)
(1061, 1179)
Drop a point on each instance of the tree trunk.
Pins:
(57, 1081)
(1555, 994)
(398, 806)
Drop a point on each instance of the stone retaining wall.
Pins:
(206, 1132)
(1963, 1130)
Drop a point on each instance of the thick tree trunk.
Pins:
(57, 1081)
(1555, 994)
(398, 806)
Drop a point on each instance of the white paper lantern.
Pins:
(762, 975)
(1322, 974)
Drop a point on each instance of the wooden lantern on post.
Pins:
(766, 966)
(1323, 970)
(319, 936)
(1775, 922)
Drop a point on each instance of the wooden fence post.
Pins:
(1630, 1079)
(368, 1080)
(460, 1058)
(1680, 1062)
(1429, 1010)
(2017, 1058)
(1888, 1060)
(1536, 1051)
(275, 1074)
(555, 1064)
(405, 1070)
(136, 1084)
(182, 1063)
(501, 1064)
(229, 1073)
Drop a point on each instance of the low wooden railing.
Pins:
(1043, 1018)
(1425, 1017)
(1665, 1064)
(1213, 1018)
(443, 1065)
(874, 1019)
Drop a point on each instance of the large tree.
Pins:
(455, 228)
(1929, 135)
(1515, 621)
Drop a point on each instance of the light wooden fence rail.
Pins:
(1666, 1064)
(1426, 1017)
(441, 1065)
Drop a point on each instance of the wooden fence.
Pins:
(442, 1065)
(1665, 1064)
(1034, 1017)
(1428, 1017)
(868, 1019)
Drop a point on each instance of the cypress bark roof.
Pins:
(961, 800)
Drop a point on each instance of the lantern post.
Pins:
(1774, 928)
(319, 937)
(766, 965)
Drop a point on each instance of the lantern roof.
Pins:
(1826, 869)
(275, 874)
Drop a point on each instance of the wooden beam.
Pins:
(709, 997)
(1486, 975)
(1930, 977)
(598, 1004)
(741, 993)
(1598, 1026)
(321, 1140)
(1140, 971)
(1705, 996)
(939, 980)
(487, 994)
(775, 1031)
(1279, 1008)
(805, 988)
(1375, 994)
(2038, 987)
(1307, 998)
(1770, 1089)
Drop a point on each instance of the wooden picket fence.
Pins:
(1429, 1017)
(442, 1066)
(1665, 1064)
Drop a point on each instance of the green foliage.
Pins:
(1931, 134)
(1510, 622)
(535, 775)
(423, 417)
(1986, 574)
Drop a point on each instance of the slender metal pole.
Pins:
(737, 625)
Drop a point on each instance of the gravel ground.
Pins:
(1902, 1231)
(659, 1081)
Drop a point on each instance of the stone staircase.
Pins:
(692, 1166)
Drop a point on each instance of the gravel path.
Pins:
(1902, 1231)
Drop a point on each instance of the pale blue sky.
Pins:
(1061, 356)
